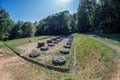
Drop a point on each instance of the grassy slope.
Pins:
(2, 46)
(94, 62)
(111, 38)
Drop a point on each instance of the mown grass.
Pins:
(94, 60)
(2, 46)
(52, 55)
(111, 38)
(17, 42)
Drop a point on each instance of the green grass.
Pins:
(49, 62)
(111, 38)
(2, 46)
(94, 60)
(17, 42)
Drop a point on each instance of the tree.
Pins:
(56, 24)
(5, 24)
(28, 29)
(16, 31)
(82, 15)
(22, 30)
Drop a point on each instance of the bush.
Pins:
(59, 60)
(64, 51)
(34, 54)
(44, 48)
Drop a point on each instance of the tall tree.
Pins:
(5, 24)
(83, 12)
(28, 29)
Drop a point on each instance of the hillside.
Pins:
(94, 61)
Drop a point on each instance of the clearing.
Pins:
(94, 61)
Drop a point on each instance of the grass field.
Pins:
(17, 42)
(111, 38)
(94, 62)
(3, 46)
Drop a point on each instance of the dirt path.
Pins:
(116, 76)
(4, 61)
(74, 68)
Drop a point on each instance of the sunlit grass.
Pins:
(94, 60)
(111, 38)
(18, 42)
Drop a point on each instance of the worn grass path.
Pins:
(116, 75)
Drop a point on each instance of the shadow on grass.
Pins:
(115, 37)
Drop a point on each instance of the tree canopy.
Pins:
(101, 16)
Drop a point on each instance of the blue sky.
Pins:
(35, 10)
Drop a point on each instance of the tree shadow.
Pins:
(115, 37)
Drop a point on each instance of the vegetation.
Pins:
(56, 23)
(111, 38)
(101, 16)
(92, 56)
(5, 24)
(94, 60)
(22, 30)
(17, 42)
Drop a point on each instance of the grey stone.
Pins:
(40, 44)
(44, 48)
(59, 60)
(51, 44)
(64, 51)
(34, 54)
(67, 46)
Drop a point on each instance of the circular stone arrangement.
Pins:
(59, 60)
(64, 51)
(67, 46)
(40, 44)
(34, 54)
(44, 48)
(51, 44)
